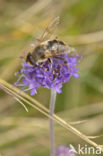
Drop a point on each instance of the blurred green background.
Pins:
(81, 25)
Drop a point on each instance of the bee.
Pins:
(46, 48)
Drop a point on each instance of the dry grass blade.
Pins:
(77, 122)
(94, 137)
(22, 104)
(11, 94)
(35, 8)
(86, 38)
(35, 104)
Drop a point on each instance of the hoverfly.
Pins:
(46, 48)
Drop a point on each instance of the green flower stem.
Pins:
(52, 107)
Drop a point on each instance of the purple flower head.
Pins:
(64, 151)
(48, 74)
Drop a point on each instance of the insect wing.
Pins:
(45, 36)
(66, 49)
(49, 29)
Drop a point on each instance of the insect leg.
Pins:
(61, 58)
(49, 60)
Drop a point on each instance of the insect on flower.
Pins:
(46, 49)
(49, 64)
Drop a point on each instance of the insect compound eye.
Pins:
(30, 59)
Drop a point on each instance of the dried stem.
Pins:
(35, 104)
(52, 107)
